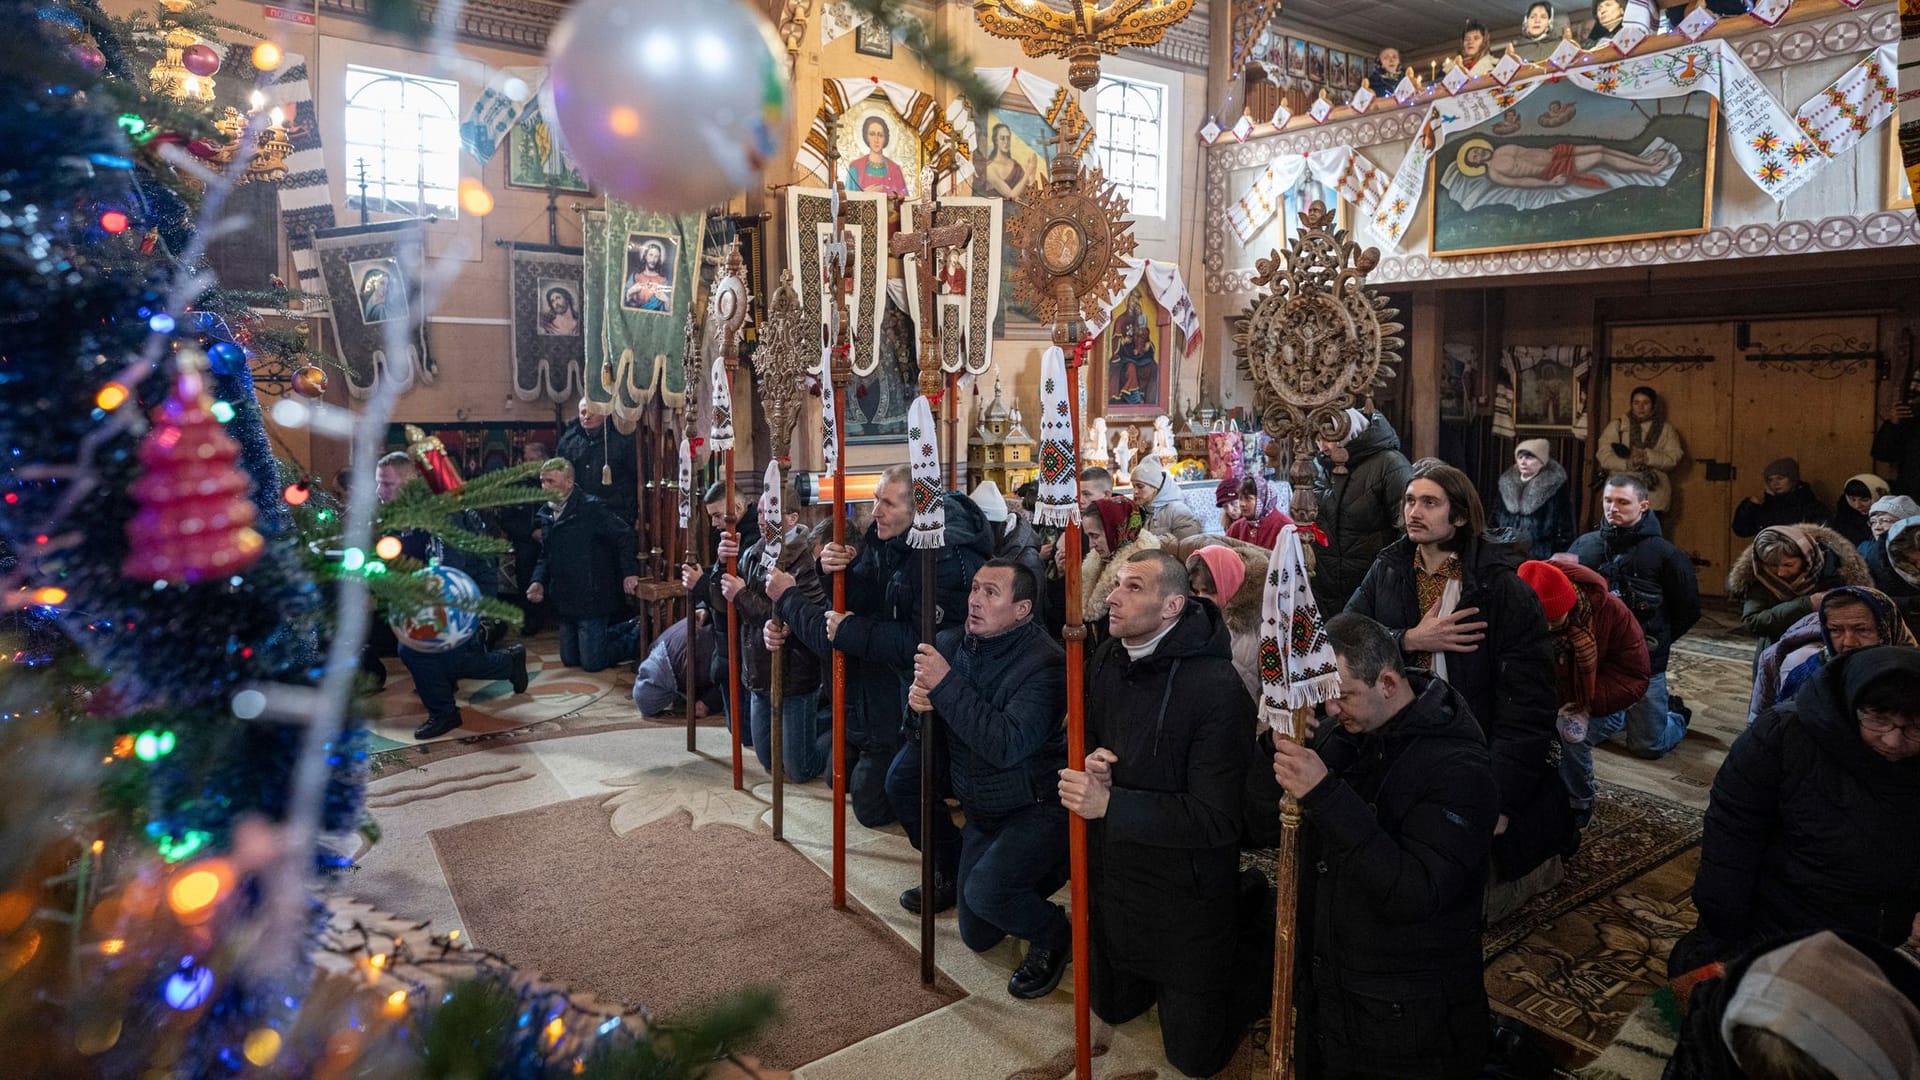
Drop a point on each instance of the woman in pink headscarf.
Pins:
(1230, 575)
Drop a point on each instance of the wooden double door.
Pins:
(1742, 393)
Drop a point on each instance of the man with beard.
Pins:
(1656, 582)
(1162, 791)
(1460, 610)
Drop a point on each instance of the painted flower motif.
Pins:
(1399, 206)
(1770, 172)
(1765, 143)
(1800, 152)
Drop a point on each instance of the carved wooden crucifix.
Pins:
(925, 244)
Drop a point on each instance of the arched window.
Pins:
(1132, 141)
(406, 132)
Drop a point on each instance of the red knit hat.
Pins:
(1550, 584)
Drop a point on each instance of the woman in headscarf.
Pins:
(1115, 528)
(1261, 517)
(1850, 617)
(1901, 555)
(1851, 510)
(1232, 575)
(1781, 576)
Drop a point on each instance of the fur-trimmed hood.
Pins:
(1847, 562)
(1242, 610)
(1526, 497)
(1097, 576)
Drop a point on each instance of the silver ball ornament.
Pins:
(671, 106)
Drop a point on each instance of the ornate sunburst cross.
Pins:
(924, 244)
(789, 346)
(1317, 342)
(1068, 236)
(1083, 32)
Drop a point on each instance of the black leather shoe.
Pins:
(433, 729)
(519, 676)
(944, 895)
(1039, 973)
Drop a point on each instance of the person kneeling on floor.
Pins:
(1000, 687)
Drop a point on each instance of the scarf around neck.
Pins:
(1576, 653)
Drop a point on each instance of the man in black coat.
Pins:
(1458, 608)
(588, 566)
(1811, 823)
(880, 633)
(604, 462)
(1898, 443)
(1399, 805)
(1359, 484)
(1000, 687)
(1172, 728)
(437, 675)
(1657, 583)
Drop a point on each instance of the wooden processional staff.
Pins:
(837, 345)
(726, 314)
(923, 440)
(690, 509)
(1316, 344)
(787, 350)
(1069, 236)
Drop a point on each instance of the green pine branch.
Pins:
(939, 53)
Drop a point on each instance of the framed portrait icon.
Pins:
(873, 40)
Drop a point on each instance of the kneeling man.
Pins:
(1399, 804)
(1000, 687)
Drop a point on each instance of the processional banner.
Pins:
(810, 230)
(372, 276)
(969, 280)
(640, 270)
(549, 324)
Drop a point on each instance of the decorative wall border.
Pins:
(1841, 34)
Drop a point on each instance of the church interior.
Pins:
(316, 301)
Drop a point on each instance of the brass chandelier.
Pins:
(1084, 32)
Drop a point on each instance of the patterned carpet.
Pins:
(489, 708)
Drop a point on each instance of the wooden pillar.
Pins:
(1423, 375)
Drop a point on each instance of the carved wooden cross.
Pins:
(924, 245)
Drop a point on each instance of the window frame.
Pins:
(1160, 96)
(420, 199)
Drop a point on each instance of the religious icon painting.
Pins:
(648, 283)
(1317, 62)
(536, 159)
(871, 39)
(1336, 68)
(368, 273)
(1296, 57)
(1138, 369)
(879, 151)
(1579, 168)
(1015, 161)
(381, 289)
(547, 296)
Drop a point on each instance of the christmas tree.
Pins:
(171, 593)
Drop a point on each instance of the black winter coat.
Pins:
(1359, 511)
(1807, 828)
(1164, 861)
(1016, 539)
(588, 451)
(1393, 870)
(1539, 514)
(1508, 682)
(1004, 707)
(883, 597)
(1652, 577)
(585, 553)
(801, 668)
(1899, 443)
(1797, 507)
